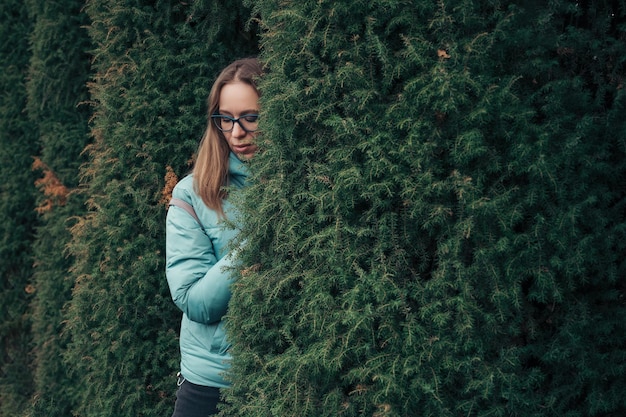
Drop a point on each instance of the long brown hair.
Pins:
(210, 171)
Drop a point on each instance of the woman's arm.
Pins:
(198, 281)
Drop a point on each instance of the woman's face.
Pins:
(236, 100)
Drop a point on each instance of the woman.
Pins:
(196, 247)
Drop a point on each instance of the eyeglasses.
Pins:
(248, 122)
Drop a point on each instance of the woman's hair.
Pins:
(210, 171)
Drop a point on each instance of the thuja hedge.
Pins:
(57, 103)
(17, 217)
(437, 222)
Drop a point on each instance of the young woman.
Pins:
(196, 248)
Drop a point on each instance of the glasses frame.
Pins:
(217, 117)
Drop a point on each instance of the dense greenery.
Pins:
(57, 104)
(436, 224)
(18, 141)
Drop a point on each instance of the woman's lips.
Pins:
(247, 150)
(241, 148)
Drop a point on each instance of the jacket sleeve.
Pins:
(198, 281)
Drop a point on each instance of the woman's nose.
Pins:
(238, 131)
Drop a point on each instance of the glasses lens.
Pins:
(249, 122)
(223, 123)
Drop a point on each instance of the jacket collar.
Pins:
(237, 170)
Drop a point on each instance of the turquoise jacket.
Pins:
(195, 261)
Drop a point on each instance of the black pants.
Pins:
(195, 400)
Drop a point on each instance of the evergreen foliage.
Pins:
(57, 96)
(153, 66)
(18, 142)
(437, 222)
